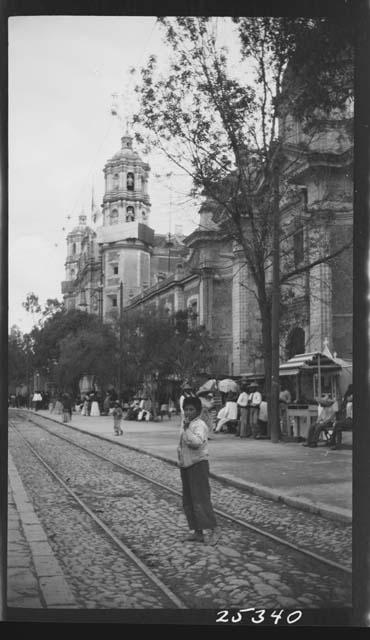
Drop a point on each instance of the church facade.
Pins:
(120, 263)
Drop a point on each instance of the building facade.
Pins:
(121, 262)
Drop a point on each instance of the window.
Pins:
(130, 182)
(74, 248)
(115, 271)
(298, 246)
(295, 342)
(130, 214)
(116, 181)
(192, 313)
(114, 217)
(114, 302)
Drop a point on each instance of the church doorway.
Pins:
(295, 342)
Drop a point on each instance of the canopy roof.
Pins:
(309, 362)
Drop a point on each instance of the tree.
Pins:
(88, 350)
(172, 346)
(221, 126)
(51, 342)
(17, 363)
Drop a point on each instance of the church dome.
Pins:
(81, 228)
(126, 152)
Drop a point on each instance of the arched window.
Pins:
(298, 246)
(116, 181)
(143, 213)
(114, 216)
(192, 305)
(130, 182)
(130, 214)
(295, 342)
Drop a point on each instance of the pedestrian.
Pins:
(285, 398)
(327, 410)
(117, 417)
(94, 409)
(67, 407)
(345, 422)
(37, 399)
(186, 392)
(244, 430)
(194, 470)
(254, 401)
(106, 404)
(206, 398)
(145, 410)
(228, 413)
(262, 419)
(85, 406)
(58, 408)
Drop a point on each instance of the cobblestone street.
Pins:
(244, 567)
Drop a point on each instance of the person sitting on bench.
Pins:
(345, 424)
(228, 414)
(327, 411)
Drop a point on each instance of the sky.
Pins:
(63, 71)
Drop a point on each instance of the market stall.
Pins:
(308, 376)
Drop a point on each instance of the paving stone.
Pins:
(40, 548)
(227, 551)
(249, 566)
(25, 602)
(46, 566)
(56, 591)
(270, 576)
(265, 589)
(35, 533)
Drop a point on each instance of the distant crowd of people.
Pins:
(242, 411)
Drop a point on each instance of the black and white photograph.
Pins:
(180, 384)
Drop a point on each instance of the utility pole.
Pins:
(275, 308)
(120, 339)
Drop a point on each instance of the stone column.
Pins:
(320, 293)
(245, 318)
(206, 298)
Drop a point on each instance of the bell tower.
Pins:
(125, 238)
(126, 187)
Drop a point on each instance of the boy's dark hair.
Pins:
(193, 401)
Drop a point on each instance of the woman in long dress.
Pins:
(85, 407)
(94, 411)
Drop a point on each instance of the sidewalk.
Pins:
(34, 577)
(316, 480)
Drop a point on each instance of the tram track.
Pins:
(168, 593)
(322, 560)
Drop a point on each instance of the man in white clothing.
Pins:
(254, 401)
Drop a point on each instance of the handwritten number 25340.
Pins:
(259, 616)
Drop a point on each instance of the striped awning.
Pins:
(308, 362)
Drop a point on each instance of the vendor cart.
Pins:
(308, 376)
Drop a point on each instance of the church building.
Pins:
(119, 262)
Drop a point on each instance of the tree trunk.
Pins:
(274, 417)
(265, 310)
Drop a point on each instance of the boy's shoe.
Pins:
(195, 537)
(214, 537)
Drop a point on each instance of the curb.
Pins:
(318, 508)
(54, 589)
